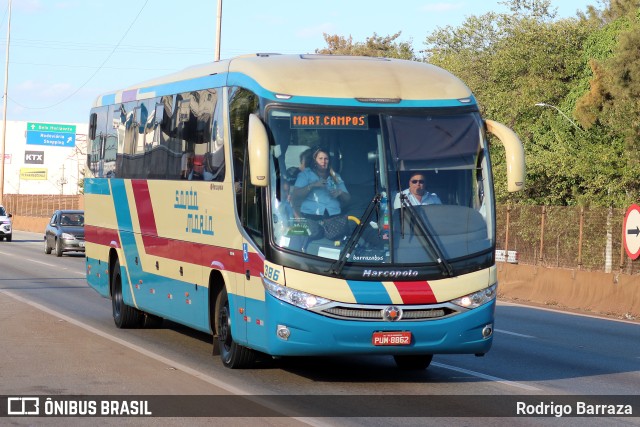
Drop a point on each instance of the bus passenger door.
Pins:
(253, 248)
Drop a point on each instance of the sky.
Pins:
(64, 53)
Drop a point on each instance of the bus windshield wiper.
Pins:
(336, 267)
(425, 229)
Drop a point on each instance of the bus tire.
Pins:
(124, 316)
(233, 355)
(413, 362)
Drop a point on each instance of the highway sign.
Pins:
(631, 231)
(55, 135)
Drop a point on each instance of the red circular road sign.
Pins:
(631, 231)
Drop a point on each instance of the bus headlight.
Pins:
(292, 296)
(477, 299)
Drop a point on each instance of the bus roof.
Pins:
(312, 76)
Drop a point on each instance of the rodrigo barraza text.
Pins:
(578, 408)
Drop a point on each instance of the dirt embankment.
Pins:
(608, 294)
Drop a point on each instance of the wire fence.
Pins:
(39, 205)
(550, 236)
(565, 236)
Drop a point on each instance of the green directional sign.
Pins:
(50, 127)
(52, 134)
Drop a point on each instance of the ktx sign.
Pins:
(34, 157)
(55, 135)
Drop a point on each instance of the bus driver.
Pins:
(416, 194)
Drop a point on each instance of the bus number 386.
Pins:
(271, 273)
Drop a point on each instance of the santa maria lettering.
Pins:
(196, 222)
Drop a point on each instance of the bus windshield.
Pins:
(379, 188)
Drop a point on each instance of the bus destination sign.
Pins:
(329, 121)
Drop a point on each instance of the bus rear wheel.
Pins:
(124, 316)
(233, 355)
(413, 362)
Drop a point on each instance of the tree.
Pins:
(612, 100)
(375, 46)
(513, 61)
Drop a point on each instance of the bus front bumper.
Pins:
(309, 333)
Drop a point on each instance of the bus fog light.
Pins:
(487, 331)
(283, 332)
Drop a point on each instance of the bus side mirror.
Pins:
(514, 152)
(258, 152)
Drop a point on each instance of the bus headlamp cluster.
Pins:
(293, 296)
(478, 298)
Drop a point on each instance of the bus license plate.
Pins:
(391, 338)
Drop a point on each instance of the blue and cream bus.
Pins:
(189, 214)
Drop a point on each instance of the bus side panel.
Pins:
(100, 233)
(188, 228)
(167, 232)
(156, 285)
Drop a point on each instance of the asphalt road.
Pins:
(62, 330)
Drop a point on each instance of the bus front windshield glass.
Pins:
(394, 188)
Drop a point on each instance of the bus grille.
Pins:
(370, 313)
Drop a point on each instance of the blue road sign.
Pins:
(51, 134)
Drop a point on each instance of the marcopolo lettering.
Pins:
(34, 157)
(389, 273)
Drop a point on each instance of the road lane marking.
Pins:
(570, 313)
(502, 331)
(174, 364)
(177, 365)
(486, 377)
(74, 270)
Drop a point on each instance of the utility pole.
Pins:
(4, 112)
(62, 181)
(218, 31)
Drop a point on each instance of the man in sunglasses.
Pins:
(416, 193)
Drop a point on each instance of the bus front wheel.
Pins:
(413, 362)
(124, 316)
(233, 355)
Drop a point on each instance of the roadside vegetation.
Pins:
(582, 140)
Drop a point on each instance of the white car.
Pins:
(5, 224)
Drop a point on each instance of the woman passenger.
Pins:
(319, 191)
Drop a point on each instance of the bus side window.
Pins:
(214, 160)
(242, 103)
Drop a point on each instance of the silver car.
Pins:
(5, 224)
(65, 232)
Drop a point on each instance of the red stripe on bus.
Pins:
(176, 250)
(194, 253)
(100, 235)
(143, 205)
(415, 292)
